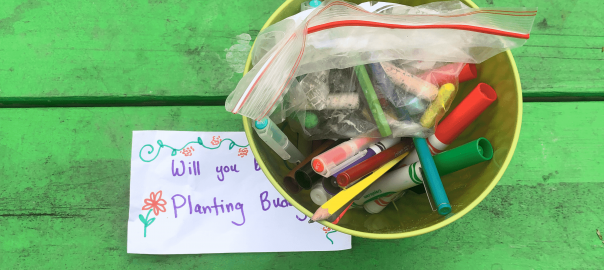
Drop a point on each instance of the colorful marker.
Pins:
(374, 104)
(369, 152)
(373, 163)
(344, 197)
(340, 101)
(270, 133)
(432, 178)
(436, 109)
(376, 206)
(325, 163)
(458, 120)
(411, 83)
(409, 176)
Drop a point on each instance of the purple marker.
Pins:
(371, 151)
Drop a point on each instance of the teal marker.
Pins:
(432, 177)
(270, 133)
(309, 5)
(384, 190)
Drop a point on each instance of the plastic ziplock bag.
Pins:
(339, 35)
(412, 96)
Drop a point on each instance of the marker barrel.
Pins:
(376, 206)
(432, 178)
(372, 99)
(340, 101)
(392, 183)
(370, 152)
(436, 109)
(446, 162)
(411, 83)
(270, 133)
(465, 113)
(458, 120)
(373, 163)
(325, 163)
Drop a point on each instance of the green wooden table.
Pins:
(65, 170)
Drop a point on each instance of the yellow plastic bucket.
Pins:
(412, 216)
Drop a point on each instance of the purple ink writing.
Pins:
(279, 202)
(184, 201)
(217, 208)
(193, 168)
(256, 166)
(175, 173)
(221, 170)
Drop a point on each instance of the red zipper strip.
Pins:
(472, 28)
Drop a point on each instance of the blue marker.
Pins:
(432, 177)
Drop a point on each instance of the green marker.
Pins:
(409, 176)
(373, 101)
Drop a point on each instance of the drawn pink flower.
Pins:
(156, 202)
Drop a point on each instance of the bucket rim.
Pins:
(247, 125)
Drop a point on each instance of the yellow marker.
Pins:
(344, 197)
(437, 108)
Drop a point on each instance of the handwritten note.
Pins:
(203, 192)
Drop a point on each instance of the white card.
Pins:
(214, 199)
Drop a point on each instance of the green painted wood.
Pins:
(158, 52)
(564, 56)
(65, 178)
(66, 51)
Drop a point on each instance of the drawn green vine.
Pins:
(175, 151)
(327, 235)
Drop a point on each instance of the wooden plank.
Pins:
(70, 51)
(65, 179)
(162, 52)
(565, 55)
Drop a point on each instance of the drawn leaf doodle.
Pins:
(150, 221)
(142, 219)
(175, 151)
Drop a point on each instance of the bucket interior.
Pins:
(499, 123)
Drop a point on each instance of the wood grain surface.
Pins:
(65, 178)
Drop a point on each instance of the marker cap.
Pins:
(444, 209)
(465, 113)
(306, 176)
(326, 162)
(318, 195)
(468, 72)
(331, 186)
(291, 185)
(464, 156)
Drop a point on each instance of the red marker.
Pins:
(373, 163)
(457, 121)
(447, 73)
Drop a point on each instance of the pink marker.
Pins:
(457, 121)
(325, 163)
